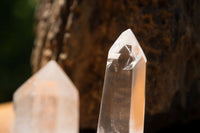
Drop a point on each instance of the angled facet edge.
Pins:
(123, 97)
(126, 38)
(47, 102)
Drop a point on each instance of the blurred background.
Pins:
(78, 36)
(16, 42)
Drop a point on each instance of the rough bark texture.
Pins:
(78, 34)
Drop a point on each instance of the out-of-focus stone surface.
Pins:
(169, 34)
(6, 117)
(47, 103)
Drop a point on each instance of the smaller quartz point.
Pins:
(47, 103)
(123, 98)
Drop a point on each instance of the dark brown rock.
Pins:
(167, 30)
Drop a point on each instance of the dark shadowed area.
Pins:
(16, 42)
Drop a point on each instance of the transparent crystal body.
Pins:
(123, 98)
(47, 103)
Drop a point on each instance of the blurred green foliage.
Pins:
(16, 41)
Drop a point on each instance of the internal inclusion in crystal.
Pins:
(121, 68)
(118, 89)
(126, 59)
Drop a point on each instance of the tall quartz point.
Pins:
(123, 99)
(47, 103)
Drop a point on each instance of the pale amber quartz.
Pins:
(47, 103)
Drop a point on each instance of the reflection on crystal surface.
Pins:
(122, 107)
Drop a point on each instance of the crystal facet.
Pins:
(47, 103)
(123, 99)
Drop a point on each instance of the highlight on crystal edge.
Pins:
(123, 98)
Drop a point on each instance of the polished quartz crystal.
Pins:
(47, 103)
(123, 98)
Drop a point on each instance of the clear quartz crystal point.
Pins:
(123, 99)
(47, 103)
